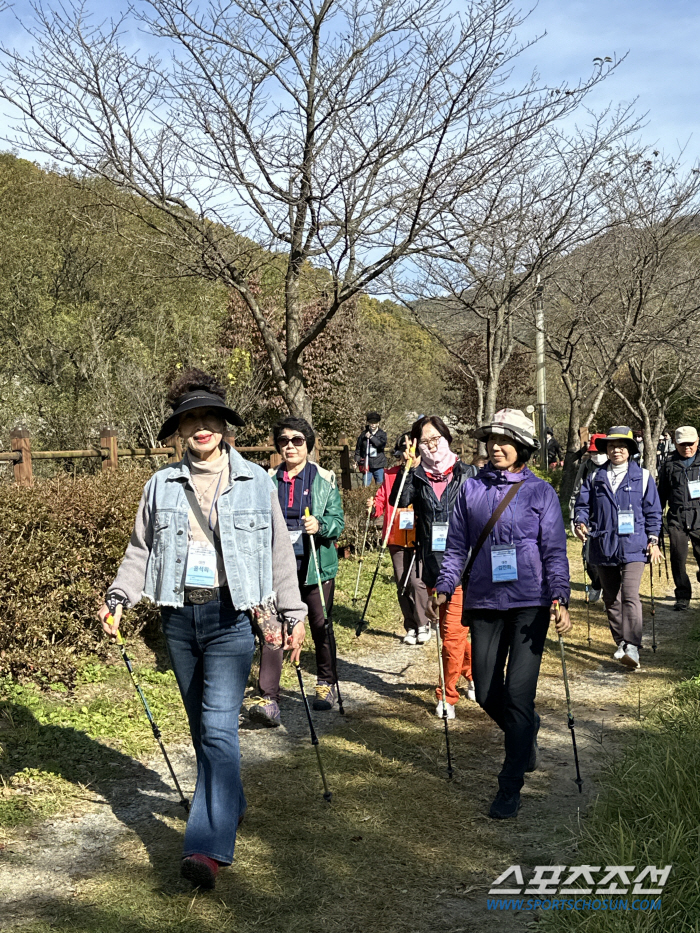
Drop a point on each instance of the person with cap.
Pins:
(618, 508)
(301, 485)
(591, 460)
(211, 549)
(370, 458)
(507, 546)
(411, 590)
(679, 489)
(435, 477)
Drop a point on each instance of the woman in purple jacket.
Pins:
(516, 575)
(619, 507)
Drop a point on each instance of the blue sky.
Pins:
(662, 70)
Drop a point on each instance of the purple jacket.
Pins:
(532, 522)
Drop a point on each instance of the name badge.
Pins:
(201, 565)
(295, 536)
(439, 539)
(504, 563)
(625, 522)
(694, 488)
(406, 521)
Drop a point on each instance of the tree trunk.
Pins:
(573, 443)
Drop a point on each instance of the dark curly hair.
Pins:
(191, 380)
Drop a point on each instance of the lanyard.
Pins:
(513, 509)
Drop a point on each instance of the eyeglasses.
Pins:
(431, 442)
(298, 440)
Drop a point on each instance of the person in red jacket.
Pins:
(412, 592)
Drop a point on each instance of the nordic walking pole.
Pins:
(569, 714)
(314, 738)
(441, 671)
(407, 575)
(653, 608)
(326, 621)
(588, 595)
(184, 802)
(362, 555)
(411, 454)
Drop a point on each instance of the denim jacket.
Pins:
(156, 559)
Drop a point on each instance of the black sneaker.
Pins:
(682, 605)
(505, 806)
(532, 763)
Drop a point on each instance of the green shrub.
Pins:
(60, 545)
(355, 508)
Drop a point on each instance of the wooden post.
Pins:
(345, 470)
(108, 441)
(174, 441)
(21, 442)
(275, 458)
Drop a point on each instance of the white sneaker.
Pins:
(410, 637)
(471, 692)
(631, 657)
(620, 653)
(450, 710)
(423, 634)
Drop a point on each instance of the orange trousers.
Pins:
(456, 647)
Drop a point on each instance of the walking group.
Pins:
(231, 552)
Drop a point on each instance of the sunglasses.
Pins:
(298, 440)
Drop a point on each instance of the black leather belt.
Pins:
(200, 595)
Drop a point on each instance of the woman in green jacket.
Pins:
(303, 485)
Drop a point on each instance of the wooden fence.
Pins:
(21, 455)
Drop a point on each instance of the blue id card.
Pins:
(504, 563)
(694, 488)
(625, 522)
(439, 536)
(201, 565)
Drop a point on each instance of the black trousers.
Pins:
(507, 693)
(678, 539)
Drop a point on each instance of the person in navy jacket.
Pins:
(619, 508)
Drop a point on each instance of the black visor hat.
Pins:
(198, 399)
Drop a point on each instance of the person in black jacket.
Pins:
(431, 487)
(553, 449)
(369, 450)
(679, 488)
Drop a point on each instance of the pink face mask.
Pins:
(438, 460)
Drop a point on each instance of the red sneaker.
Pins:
(200, 870)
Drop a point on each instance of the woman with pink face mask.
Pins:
(431, 487)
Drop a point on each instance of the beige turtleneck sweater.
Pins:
(209, 479)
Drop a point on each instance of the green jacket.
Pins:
(327, 509)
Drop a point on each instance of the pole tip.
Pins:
(327, 796)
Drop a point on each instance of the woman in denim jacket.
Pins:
(210, 547)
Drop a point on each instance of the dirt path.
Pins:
(44, 866)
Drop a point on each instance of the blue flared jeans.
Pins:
(211, 650)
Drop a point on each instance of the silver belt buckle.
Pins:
(200, 596)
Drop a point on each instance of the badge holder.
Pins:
(625, 522)
(504, 563)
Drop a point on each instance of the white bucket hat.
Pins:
(513, 423)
